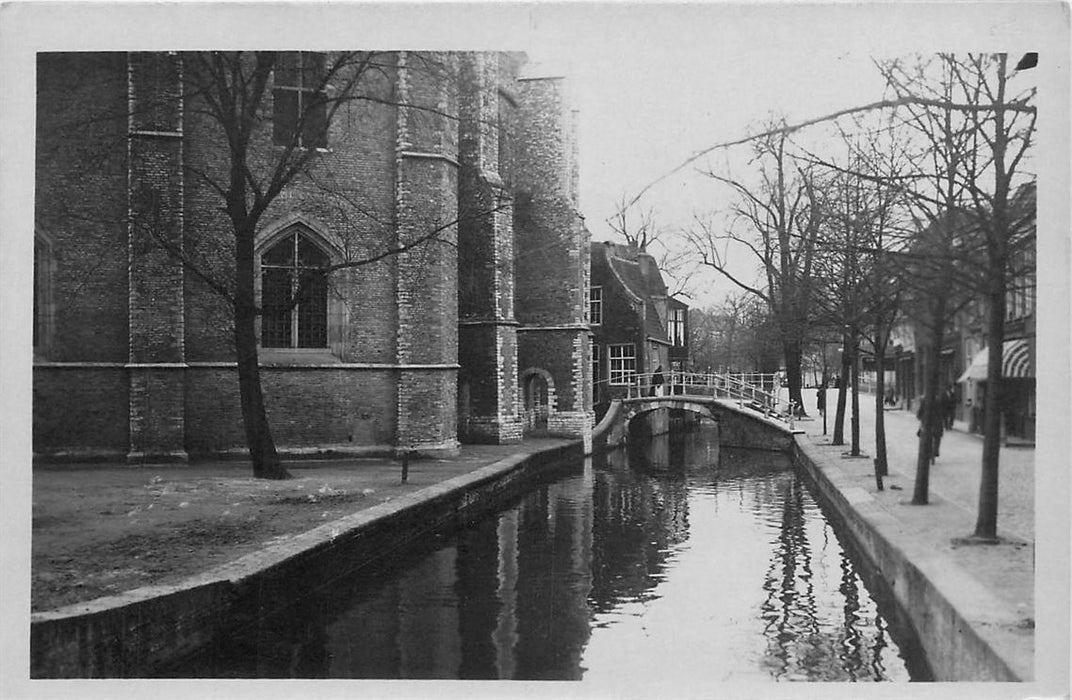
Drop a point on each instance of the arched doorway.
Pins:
(538, 387)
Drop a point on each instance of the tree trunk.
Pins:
(986, 526)
(929, 421)
(839, 417)
(881, 466)
(792, 353)
(262, 452)
(854, 374)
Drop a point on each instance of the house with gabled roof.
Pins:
(638, 329)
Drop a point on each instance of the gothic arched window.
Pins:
(294, 293)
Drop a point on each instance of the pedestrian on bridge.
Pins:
(820, 399)
(657, 381)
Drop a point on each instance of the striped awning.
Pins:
(1015, 362)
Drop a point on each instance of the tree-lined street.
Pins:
(913, 214)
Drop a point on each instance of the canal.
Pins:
(674, 557)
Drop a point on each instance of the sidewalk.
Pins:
(1006, 569)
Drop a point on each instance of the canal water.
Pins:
(674, 559)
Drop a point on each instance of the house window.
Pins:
(596, 362)
(622, 364)
(677, 327)
(1020, 295)
(294, 294)
(299, 113)
(595, 305)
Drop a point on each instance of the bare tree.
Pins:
(735, 336)
(637, 227)
(639, 230)
(859, 276)
(963, 108)
(775, 222)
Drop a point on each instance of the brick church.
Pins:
(476, 332)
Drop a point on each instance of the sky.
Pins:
(693, 98)
(658, 83)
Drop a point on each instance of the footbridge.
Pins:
(745, 406)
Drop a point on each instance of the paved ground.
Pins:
(1006, 569)
(101, 530)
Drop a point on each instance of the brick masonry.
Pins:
(552, 260)
(487, 401)
(424, 348)
(428, 275)
(155, 226)
(81, 203)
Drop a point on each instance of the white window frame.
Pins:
(622, 364)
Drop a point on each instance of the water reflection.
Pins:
(716, 562)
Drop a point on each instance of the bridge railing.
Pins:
(721, 386)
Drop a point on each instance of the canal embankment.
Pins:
(134, 632)
(966, 631)
(971, 607)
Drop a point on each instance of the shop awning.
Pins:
(1015, 362)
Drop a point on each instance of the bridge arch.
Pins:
(641, 408)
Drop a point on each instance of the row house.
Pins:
(963, 355)
(1017, 389)
(637, 328)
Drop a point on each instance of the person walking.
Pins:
(820, 400)
(949, 407)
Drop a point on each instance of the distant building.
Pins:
(477, 337)
(637, 328)
(963, 356)
(1018, 388)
